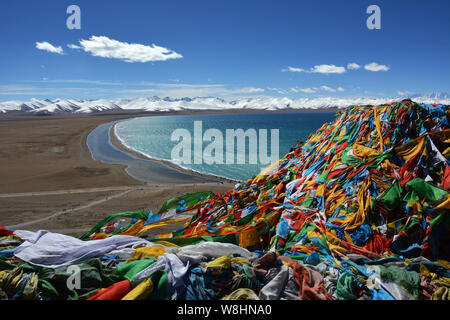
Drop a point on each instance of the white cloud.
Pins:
(49, 47)
(375, 67)
(101, 46)
(81, 81)
(78, 81)
(322, 68)
(327, 68)
(47, 91)
(249, 90)
(179, 90)
(340, 89)
(280, 91)
(307, 90)
(325, 88)
(293, 69)
(353, 66)
(73, 46)
(179, 85)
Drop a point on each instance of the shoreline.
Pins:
(115, 141)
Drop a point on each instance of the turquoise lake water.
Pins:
(210, 151)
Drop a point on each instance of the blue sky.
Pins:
(223, 48)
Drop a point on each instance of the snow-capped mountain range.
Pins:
(203, 103)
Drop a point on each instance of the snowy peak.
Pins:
(436, 95)
(433, 96)
(203, 103)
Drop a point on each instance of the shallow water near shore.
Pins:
(146, 170)
(151, 136)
